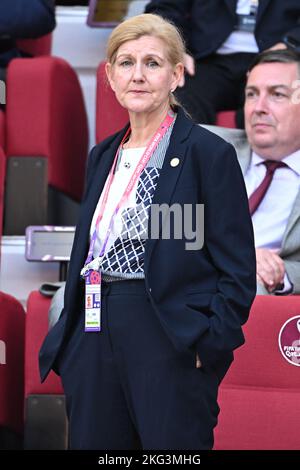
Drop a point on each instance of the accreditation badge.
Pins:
(92, 301)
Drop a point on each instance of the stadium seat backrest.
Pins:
(48, 120)
(46, 143)
(226, 119)
(259, 397)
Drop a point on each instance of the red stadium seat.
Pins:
(45, 121)
(45, 419)
(46, 139)
(226, 119)
(34, 47)
(259, 397)
(12, 326)
(55, 127)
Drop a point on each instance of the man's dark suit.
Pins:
(206, 24)
(201, 297)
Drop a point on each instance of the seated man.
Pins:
(269, 155)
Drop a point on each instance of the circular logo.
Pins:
(95, 277)
(289, 340)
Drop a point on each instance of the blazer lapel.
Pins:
(169, 174)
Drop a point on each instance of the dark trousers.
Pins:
(128, 388)
(218, 85)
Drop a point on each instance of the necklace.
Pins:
(125, 162)
(128, 158)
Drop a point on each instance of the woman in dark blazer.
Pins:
(174, 259)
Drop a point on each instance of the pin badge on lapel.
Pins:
(174, 162)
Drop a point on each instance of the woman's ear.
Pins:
(108, 71)
(177, 75)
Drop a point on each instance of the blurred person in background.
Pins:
(222, 39)
(22, 19)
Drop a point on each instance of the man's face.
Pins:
(272, 110)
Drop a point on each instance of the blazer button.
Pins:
(174, 162)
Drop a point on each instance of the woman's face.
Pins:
(142, 77)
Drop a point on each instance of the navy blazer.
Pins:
(201, 297)
(206, 24)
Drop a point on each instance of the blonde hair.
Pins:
(148, 25)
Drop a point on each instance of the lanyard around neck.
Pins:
(161, 131)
